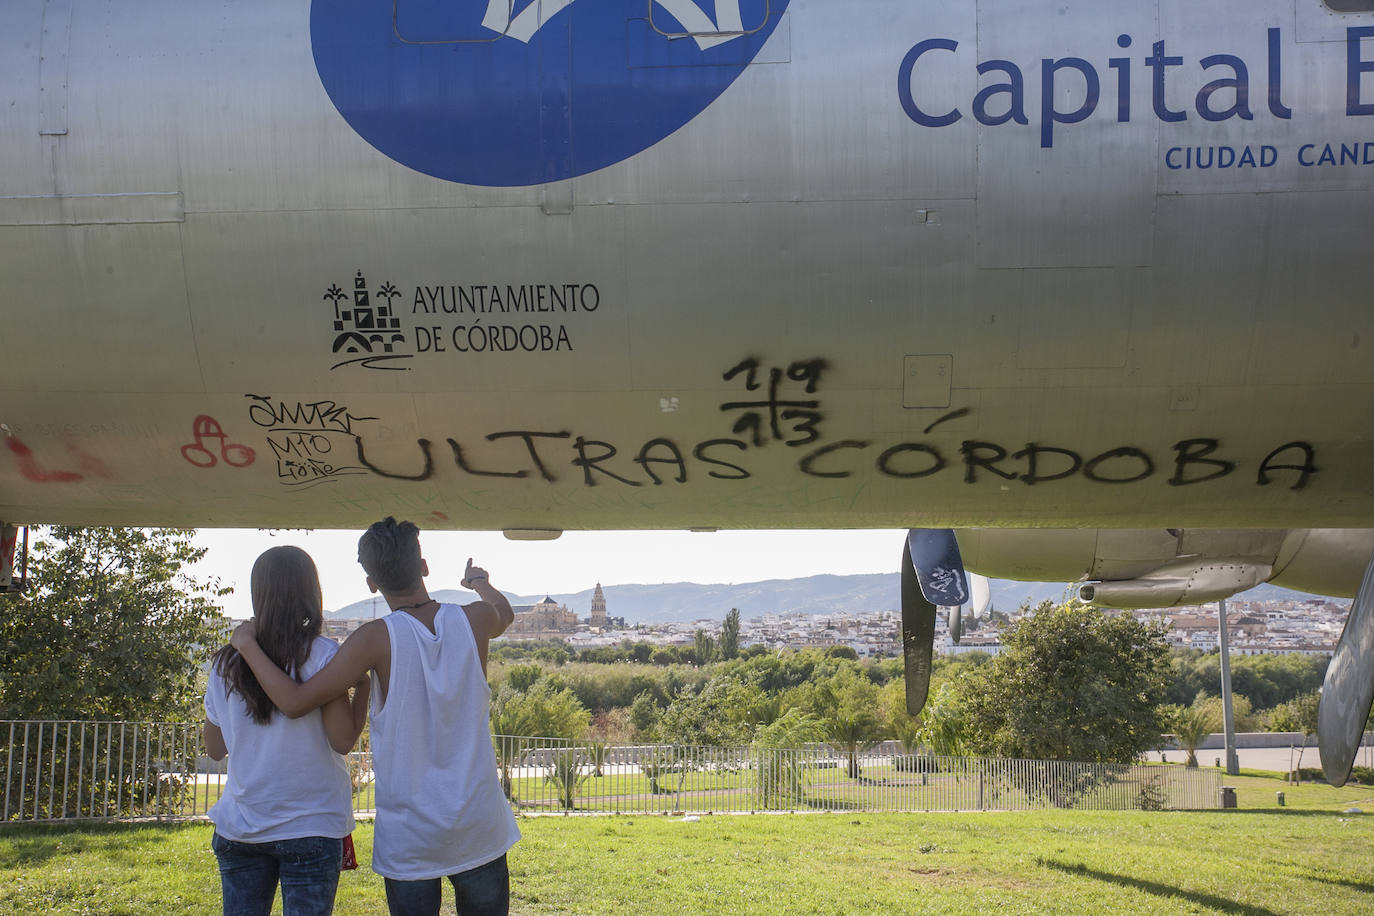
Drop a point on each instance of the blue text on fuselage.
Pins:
(1005, 101)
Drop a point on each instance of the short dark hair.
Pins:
(389, 552)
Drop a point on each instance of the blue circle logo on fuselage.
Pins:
(521, 92)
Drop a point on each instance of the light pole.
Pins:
(1228, 719)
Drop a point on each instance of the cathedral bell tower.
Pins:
(599, 618)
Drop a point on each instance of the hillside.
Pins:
(823, 594)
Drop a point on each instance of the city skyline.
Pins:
(574, 562)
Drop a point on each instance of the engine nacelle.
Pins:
(1160, 567)
(1179, 583)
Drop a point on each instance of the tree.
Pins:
(847, 704)
(782, 760)
(1299, 715)
(723, 714)
(901, 724)
(659, 763)
(1071, 684)
(554, 653)
(565, 774)
(729, 635)
(112, 627)
(644, 713)
(941, 726)
(606, 687)
(546, 710)
(705, 648)
(1242, 717)
(1192, 725)
(523, 677)
(613, 727)
(1265, 680)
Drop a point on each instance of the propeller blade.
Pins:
(918, 635)
(956, 623)
(1348, 689)
(939, 568)
(981, 602)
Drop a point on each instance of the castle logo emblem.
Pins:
(367, 330)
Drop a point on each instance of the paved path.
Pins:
(1278, 759)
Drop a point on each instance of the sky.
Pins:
(573, 562)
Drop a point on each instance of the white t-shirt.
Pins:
(440, 808)
(285, 781)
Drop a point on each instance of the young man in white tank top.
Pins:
(440, 809)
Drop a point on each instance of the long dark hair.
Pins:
(289, 611)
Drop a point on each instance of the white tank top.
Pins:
(285, 781)
(440, 808)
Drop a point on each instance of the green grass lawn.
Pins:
(880, 787)
(1307, 857)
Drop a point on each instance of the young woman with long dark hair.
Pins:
(287, 804)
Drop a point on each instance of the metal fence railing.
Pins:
(61, 770)
(75, 770)
(550, 775)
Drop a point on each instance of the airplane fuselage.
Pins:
(880, 264)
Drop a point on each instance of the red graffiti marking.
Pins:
(439, 515)
(28, 465)
(207, 427)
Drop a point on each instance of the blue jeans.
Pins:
(308, 869)
(480, 891)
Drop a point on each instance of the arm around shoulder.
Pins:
(356, 657)
(344, 718)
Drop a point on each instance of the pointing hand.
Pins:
(473, 575)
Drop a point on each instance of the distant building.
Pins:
(1206, 640)
(547, 618)
(1185, 622)
(599, 619)
(989, 643)
(338, 630)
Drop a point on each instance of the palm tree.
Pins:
(598, 751)
(335, 294)
(658, 764)
(781, 762)
(565, 772)
(847, 704)
(1192, 725)
(853, 731)
(940, 725)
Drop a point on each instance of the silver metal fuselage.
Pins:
(1069, 322)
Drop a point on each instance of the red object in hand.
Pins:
(350, 858)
